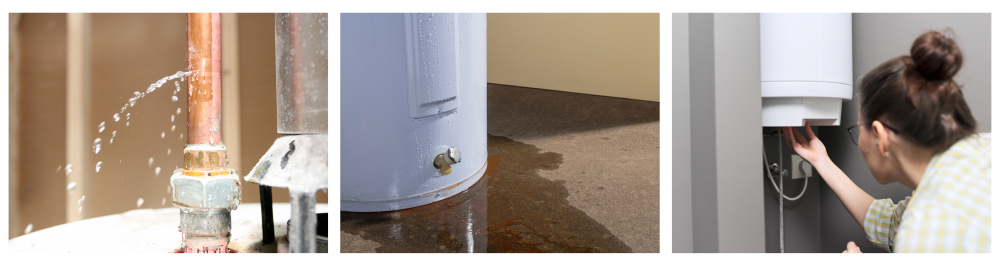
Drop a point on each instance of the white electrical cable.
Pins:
(776, 184)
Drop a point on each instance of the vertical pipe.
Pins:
(267, 214)
(205, 86)
(302, 228)
(78, 147)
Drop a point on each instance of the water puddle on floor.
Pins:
(511, 209)
(529, 213)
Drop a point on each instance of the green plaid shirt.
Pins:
(949, 211)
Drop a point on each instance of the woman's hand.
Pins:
(812, 151)
(852, 248)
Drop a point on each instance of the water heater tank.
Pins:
(413, 96)
(806, 68)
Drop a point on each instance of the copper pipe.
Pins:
(205, 88)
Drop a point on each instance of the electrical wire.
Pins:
(781, 200)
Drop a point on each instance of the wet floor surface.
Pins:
(567, 173)
(529, 213)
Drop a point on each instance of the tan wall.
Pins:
(615, 55)
(129, 52)
(41, 146)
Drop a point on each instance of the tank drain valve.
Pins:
(444, 160)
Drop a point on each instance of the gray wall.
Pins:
(682, 238)
(704, 207)
(737, 78)
(877, 38)
(721, 70)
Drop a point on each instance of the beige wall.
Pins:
(128, 53)
(615, 55)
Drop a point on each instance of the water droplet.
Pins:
(126, 124)
(27, 230)
(173, 127)
(163, 134)
(81, 209)
(131, 101)
(178, 110)
(58, 168)
(163, 201)
(128, 116)
(150, 162)
(99, 166)
(168, 151)
(157, 171)
(174, 98)
(71, 186)
(100, 128)
(116, 116)
(97, 145)
(138, 203)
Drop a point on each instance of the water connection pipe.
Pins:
(205, 190)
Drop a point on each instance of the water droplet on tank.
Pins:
(174, 98)
(27, 230)
(138, 203)
(157, 171)
(168, 151)
(100, 128)
(150, 162)
(172, 118)
(163, 134)
(178, 110)
(128, 116)
(163, 202)
(116, 116)
(97, 145)
(126, 124)
(80, 210)
(172, 128)
(99, 166)
(71, 186)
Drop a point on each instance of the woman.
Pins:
(915, 128)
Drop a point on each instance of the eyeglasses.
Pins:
(856, 134)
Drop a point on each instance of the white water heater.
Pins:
(413, 108)
(806, 68)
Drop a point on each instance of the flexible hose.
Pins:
(776, 184)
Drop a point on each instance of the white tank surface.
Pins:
(806, 68)
(413, 90)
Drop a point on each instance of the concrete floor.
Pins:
(573, 173)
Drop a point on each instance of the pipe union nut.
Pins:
(216, 192)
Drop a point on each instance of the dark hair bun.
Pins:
(935, 56)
